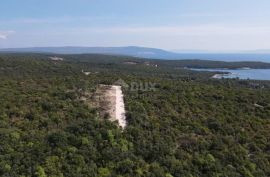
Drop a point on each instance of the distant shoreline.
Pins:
(242, 73)
(148, 53)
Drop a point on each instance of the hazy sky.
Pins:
(167, 24)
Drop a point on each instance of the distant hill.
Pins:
(150, 53)
(142, 52)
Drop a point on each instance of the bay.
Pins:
(253, 74)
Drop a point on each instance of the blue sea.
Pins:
(253, 74)
(226, 57)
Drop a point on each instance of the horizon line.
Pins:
(177, 51)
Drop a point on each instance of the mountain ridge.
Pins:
(149, 53)
(134, 51)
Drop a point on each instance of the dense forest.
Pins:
(189, 125)
(195, 63)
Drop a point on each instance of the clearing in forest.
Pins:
(110, 101)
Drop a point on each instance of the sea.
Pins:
(226, 57)
(253, 74)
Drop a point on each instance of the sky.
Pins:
(211, 25)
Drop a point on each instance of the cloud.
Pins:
(200, 30)
(57, 20)
(5, 34)
(199, 37)
(184, 37)
(38, 20)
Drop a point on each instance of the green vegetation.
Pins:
(190, 126)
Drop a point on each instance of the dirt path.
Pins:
(111, 101)
(119, 106)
